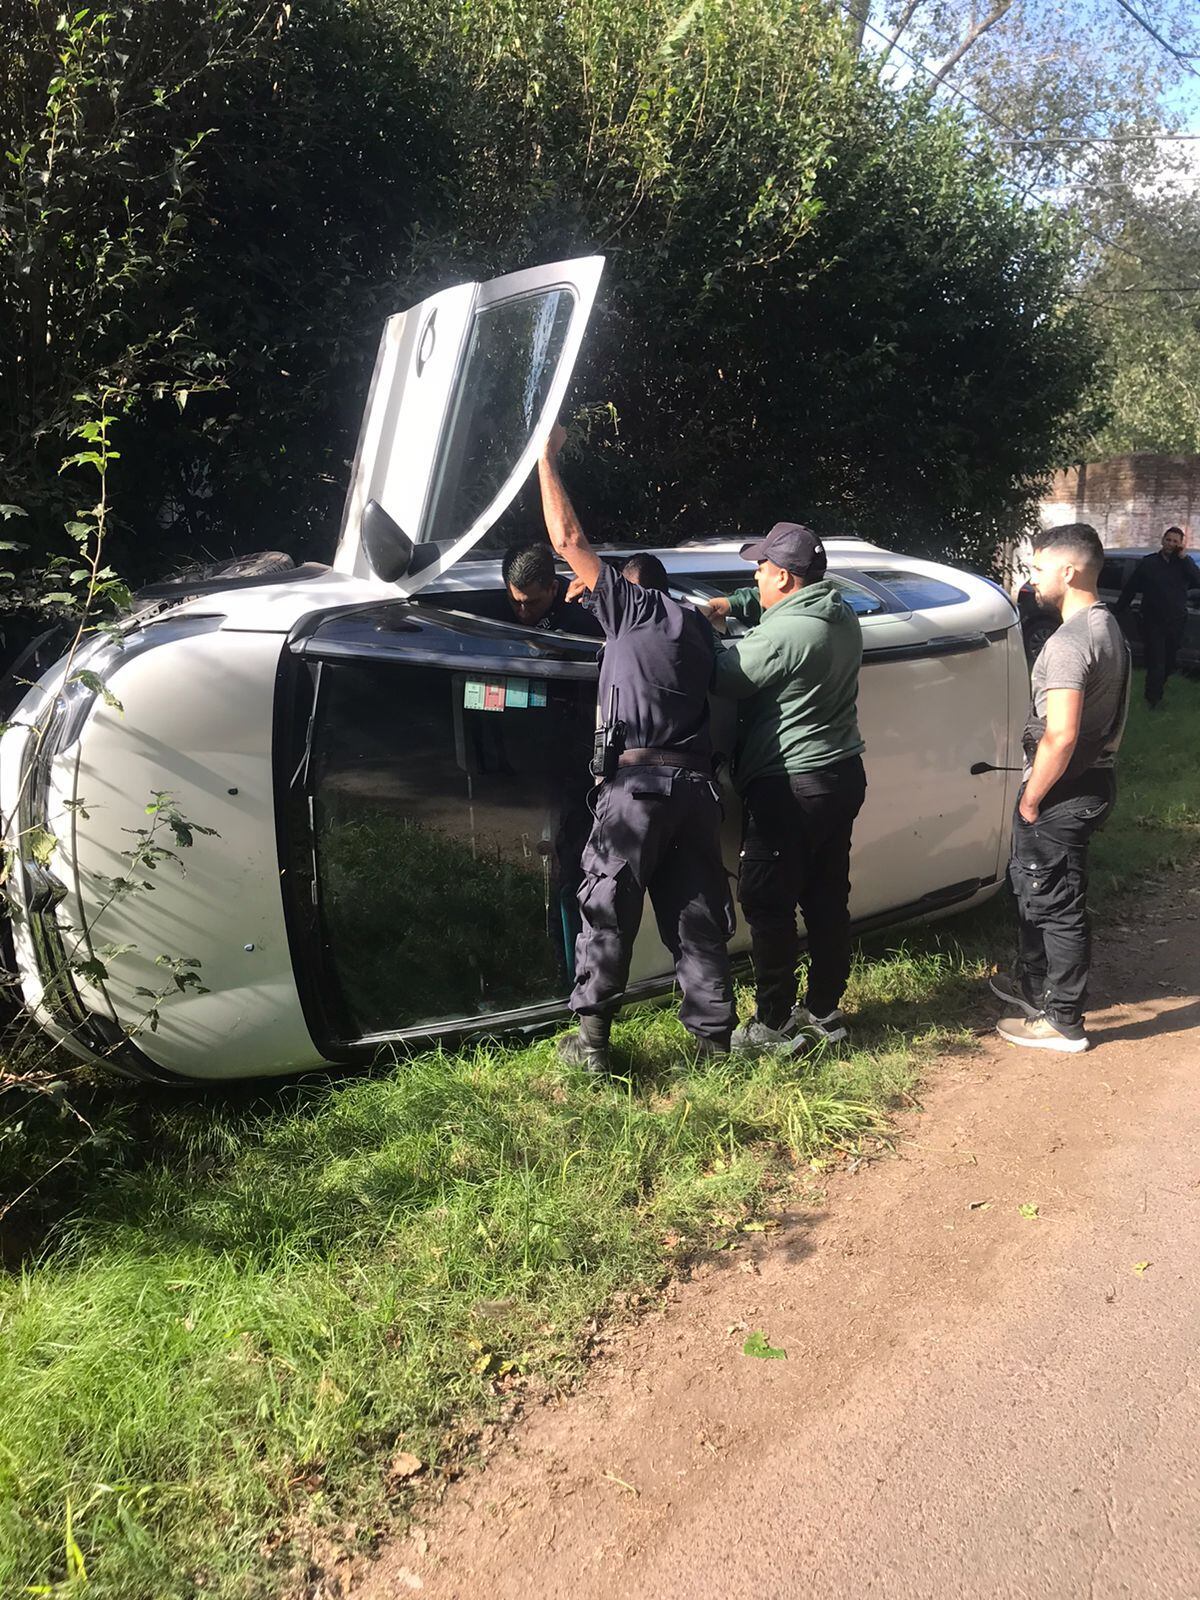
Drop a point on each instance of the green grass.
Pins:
(236, 1306)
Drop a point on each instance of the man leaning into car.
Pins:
(657, 823)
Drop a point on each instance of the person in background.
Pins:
(1076, 720)
(657, 823)
(1163, 580)
(538, 597)
(799, 770)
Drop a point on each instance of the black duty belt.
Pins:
(665, 758)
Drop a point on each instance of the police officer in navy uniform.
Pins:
(658, 813)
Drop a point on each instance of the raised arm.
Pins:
(567, 537)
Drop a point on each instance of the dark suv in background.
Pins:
(1039, 622)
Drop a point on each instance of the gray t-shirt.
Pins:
(1087, 653)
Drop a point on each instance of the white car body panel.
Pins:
(197, 718)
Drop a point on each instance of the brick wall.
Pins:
(1129, 500)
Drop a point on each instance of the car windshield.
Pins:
(449, 813)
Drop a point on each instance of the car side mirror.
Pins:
(388, 547)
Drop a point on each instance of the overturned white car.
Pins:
(384, 786)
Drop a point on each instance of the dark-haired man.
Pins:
(1071, 739)
(538, 597)
(798, 767)
(657, 812)
(1163, 580)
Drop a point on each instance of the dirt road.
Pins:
(975, 1402)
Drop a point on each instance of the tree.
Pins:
(822, 297)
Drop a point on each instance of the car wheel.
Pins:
(1036, 634)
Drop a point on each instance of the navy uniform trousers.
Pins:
(657, 832)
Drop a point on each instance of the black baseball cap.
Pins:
(792, 546)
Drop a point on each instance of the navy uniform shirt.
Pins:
(1163, 583)
(658, 655)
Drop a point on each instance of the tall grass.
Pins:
(244, 1302)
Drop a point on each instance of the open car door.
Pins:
(466, 388)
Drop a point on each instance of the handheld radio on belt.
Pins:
(608, 742)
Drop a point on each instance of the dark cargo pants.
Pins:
(796, 853)
(657, 831)
(1161, 640)
(1048, 875)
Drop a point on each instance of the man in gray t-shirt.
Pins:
(1071, 739)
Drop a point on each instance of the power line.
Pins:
(1184, 57)
(940, 83)
(1106, 138)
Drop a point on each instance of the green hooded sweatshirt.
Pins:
(796, 673)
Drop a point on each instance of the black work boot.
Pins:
(587, 1046)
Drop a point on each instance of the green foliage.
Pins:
(819, 301)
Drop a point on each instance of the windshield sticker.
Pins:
(504, 694)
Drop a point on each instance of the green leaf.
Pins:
(1140, 1268)
(94, 682)
(92, 970)
(757, 1345)
(1028, 1211)
(41, 845)
(7, 511)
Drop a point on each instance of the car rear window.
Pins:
(915, 591)
(1113, 574)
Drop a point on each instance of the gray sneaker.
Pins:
(1039, 1033)
(1016, 991)
(826, 1030)
(755, 1035)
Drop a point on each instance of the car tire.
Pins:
(1037, 631)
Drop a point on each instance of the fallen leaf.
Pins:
(1028, 1210)
(979, 1205)
(404, 1465)
(758, 1227)
(1139, 1268)
(757, 1345)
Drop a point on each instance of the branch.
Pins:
(999, 11)
(858, 13)
(909, 13)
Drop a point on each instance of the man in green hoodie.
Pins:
(798, 767)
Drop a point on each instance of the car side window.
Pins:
(1113, 575)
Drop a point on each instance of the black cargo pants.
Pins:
(796, 854)
(657, 831)
(1048, 875)
(1161, 640)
